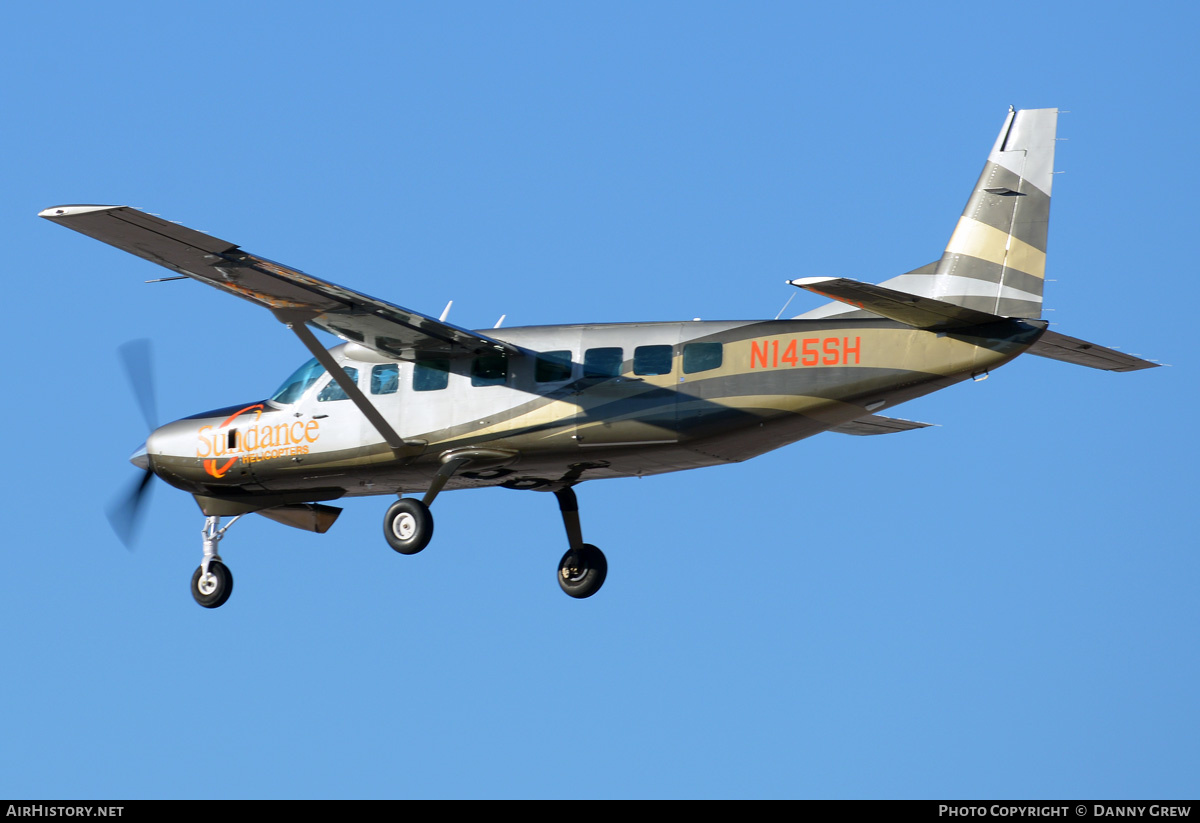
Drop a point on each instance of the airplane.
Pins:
(413, 405)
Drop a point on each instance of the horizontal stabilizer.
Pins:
(1082, 353)
(875, 424)
(910, 309)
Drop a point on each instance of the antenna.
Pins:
(445, 312)
(501, 320)
(785, 305)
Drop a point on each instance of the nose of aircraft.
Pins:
(140, 458)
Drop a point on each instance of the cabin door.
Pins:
(627, 393)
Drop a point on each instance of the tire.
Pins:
(408, 525)
(581, 571)
(216, 591)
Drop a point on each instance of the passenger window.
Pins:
(552, 366)
(701, 357)
(385, 379)
(333, 391)
(602, 362)
(652, 360)
(431, 375)
(489, 370)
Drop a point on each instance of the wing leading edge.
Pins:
(389, 329)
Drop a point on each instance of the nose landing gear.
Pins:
(212, 588)
(212, 582)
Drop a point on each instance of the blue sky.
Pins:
(1001, 606)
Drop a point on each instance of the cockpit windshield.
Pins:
(295, 386)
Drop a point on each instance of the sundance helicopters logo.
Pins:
(254, 442)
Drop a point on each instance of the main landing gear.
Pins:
(582, 570)
(212, 582)
(408, 527)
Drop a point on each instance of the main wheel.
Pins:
(408, 525)
(213, 589)
(581, 571)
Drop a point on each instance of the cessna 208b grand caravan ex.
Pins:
(412, 404)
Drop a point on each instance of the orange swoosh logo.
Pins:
(233, 416)
(210, 466)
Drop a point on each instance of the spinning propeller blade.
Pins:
(124, 512)
(135, 359)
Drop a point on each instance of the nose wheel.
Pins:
(212, 582)
(212, 588)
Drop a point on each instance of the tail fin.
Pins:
(995, 261)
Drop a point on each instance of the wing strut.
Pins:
(295, 320)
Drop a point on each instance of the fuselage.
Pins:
(582, 402)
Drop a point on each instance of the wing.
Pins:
(389, 329)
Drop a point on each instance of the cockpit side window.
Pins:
(298, 383)
(333, 391)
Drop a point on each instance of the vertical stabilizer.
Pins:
(995, 261)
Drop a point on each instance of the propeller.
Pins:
(135, 360)
(124, 512)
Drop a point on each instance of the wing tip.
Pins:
(70, 211)
(805, 282)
